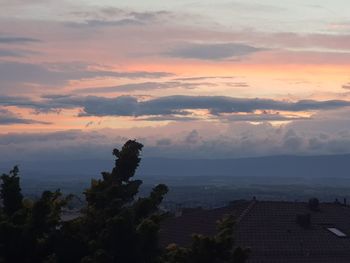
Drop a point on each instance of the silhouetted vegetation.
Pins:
(115, 226)
(206, 249)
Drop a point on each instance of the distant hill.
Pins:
(272, 166)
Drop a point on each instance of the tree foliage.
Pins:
(204, 249)
(10, 192)
(115, 226)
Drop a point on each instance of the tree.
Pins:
(115, 226)
(10, 192)
(27, 228)
(204, 249)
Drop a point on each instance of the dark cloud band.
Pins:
(169, 105)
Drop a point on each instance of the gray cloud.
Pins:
(17, 40)
(15, 53)
(13, 73)
(170, 105)
(247, 6)
(9, 118)
(144, 86)
(22, 102)
(130, 106)
(169, 118)
(6, 120)
(106, 23)
(237, 84)
(50, 137)
(193, 137)
(68, 135)
(346, 86)
(262, 117)
(196, 140)
(214, 51)
(204, 78)
(10, 53)
(164, 142)
(115, 17)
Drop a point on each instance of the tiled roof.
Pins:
(180, 229)
(271, 231)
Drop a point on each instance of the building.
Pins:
(275, 231)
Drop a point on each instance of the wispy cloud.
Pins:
(17, 40)
(9, 118)
(215, 51)
(16, 53)
(346, 86)
(116, 17)
(145, 86)
(15, 73)
(10, 53)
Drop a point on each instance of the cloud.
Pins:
(219, 51)
(106, 23)
(144, 86)
(171, 106)
(258, 117)
(9, 118)
(178, 105)
(312, 41)
(328, 132)
(115, 17)
(262, 117)
(61, 145)
(164, 142)
(239, 7)
(23, 102)
(17, 40)
(237, 84)
(169, 117)
(204, 78)
(15, 73)
(15, 53)
(194, 140)
(346, 86)
(10, 53)
(23, 2)
(52, 137)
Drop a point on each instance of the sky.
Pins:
(188, 79)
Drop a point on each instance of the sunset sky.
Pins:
(189, 79)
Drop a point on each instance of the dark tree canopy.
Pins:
(115, 226)
(204, 249)
(10, 192)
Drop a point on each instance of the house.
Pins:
(274, 231)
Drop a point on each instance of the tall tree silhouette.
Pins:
(10, 192)
(116, 226)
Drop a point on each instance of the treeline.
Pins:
(114, 226)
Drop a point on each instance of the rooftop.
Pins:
(272, 231)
